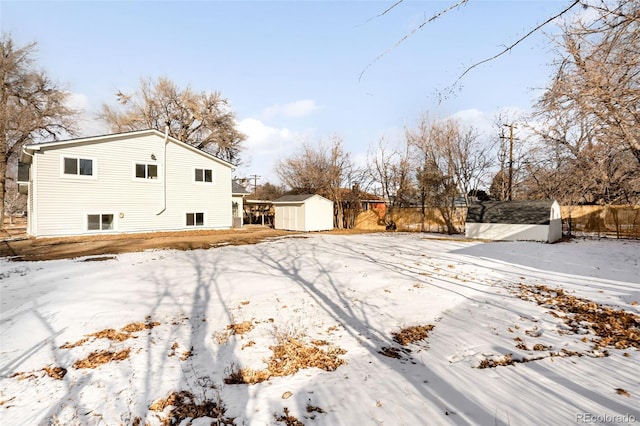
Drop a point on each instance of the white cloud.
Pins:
(480, 120)
(264, 146)
(300, 108)
(88, 124)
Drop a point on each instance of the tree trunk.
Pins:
(3, 179)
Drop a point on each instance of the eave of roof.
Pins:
(105, 138)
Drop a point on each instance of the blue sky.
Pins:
(290, 69)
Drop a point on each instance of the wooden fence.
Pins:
(612, 221)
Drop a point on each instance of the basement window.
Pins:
(195, 219)
(100, 222)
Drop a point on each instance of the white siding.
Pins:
(239, 199)
(319, 214)
(62, 203)
(313, 214)
(507, 232)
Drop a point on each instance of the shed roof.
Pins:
(297, 198)
(536, 212)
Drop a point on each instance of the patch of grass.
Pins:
(289, 356)
(412, 334)
(183, 405)
(391, 352)
(241, 328)
(139, 326)
(55, 372)
(313, 409)
(287, 419)
(187, 354)
(612, 327)
(98, 358)
(114, 335)
(622, 392)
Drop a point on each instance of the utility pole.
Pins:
(255, 182)
(511, 139)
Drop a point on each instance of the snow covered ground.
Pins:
(350, 292)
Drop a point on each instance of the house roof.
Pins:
(236, 188)
(536, 212)
(30, 149)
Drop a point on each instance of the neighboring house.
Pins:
(128, 182)
(515, 221)
(304, 212)
(238, 192)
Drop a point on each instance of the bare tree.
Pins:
(269, 191)
(591, 109)
(453, 164)
(324, 169)
(391, 168)
(32, 107)
(204, 120)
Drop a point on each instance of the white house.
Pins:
(305, 212)
(515, 221)
(127, 182)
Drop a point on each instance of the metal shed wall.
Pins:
(515, 221)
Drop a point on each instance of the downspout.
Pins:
(164, 170)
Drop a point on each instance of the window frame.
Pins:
(146, 164)
(204, 175)
(195, 219)
(100, 215)
(78, 159)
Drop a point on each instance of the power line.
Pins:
(255, 182)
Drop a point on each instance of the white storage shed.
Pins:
(538, 220)
(304, 212)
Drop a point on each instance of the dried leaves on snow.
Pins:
(289, 356)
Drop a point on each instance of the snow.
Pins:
(353, 291)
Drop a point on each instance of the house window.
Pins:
(195, 219)
(204, 175)
(146, 171)
(99, 222)
(78, 166)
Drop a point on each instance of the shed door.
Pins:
(289, 218)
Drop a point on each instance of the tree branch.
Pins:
(520, 40)
(412, 32)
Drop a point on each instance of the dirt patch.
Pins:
(32, 249)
